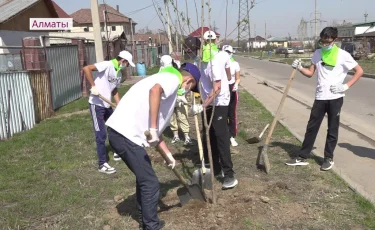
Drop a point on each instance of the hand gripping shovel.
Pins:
(263, 153)
(201, 176)
(188, 192)
(255, 140)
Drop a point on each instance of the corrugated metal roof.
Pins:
(9, 8)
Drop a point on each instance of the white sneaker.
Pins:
(233, 142)
(116, 157)
(175, 140)
(106, 168)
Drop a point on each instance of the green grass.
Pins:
(368, 66)
(49, 179)
(153, 70)
(82, 103)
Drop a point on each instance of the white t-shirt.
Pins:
(106, 81)
(131, 117)
(220, 61)
(328, 75)
(234, 68)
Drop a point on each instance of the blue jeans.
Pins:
(147, 183)
(99, 117)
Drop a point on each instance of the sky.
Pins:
(281, 17)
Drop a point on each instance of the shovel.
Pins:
(255, 140)
(188, 192)
(263, 154)
(201, 176)
(108, 101)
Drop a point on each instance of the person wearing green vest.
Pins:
(148, 105)
(210, 48)
(331, 65)
(180, 114)
(106, 82)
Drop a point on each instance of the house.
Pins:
(277, 42)
(258, 42)
(116, 24)
(14, 20)
(156, 39)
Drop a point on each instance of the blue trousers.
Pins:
(147, 183)
(99, 117)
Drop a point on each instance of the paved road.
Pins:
(359, 106)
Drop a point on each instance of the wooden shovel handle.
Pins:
(108, 101)
(199, 139)
(264, 130)
(165, 157)
(276, 118)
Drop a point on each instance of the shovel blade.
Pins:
(190, 192)
(203, 180)
(253, 140)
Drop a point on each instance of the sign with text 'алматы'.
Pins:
(51, 23)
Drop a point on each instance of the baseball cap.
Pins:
(194, 71)
(127, 56)
(228, 48)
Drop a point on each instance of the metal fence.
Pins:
(11, 62)
(16, 103)
(65, 74)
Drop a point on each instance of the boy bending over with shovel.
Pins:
(332, 65)
(148, 105)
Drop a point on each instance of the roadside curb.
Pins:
(351, 184)
(365, 75)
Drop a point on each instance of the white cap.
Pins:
(228, 48)
(165, 61)
(178, 63)
(127, 56)
(209, 35)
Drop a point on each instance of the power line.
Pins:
(138, 10)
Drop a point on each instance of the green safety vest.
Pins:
(209, 52)
(116, 65)
(172, 70)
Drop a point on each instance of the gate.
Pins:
(65, 74)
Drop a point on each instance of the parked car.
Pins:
(299, 50)
(281, 50)
(289, 50)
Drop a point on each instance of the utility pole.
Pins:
(265, 30)
(176, 38)
(97, 31)
(366, 15)
(316, 21)
(169, 26)
(133, 43)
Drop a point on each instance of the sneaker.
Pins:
(188, 141)
(116, 157)
(233, 142)
(298, 161)
(219, 175)
(175, 140)
(229, 182)
(106, 168)
(327, 164)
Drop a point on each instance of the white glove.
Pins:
(197, 108)
(171, 158)
(154, 137)
(181, 101)
(339, 88)
(297, 64)
(235, 87)
(94, 91)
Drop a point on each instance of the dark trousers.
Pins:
(232, 112)
(318, 111)
(99, 117)
(147, 183)
(219, 139)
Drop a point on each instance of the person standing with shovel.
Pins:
(105, 84)
(332, 65)
(147, 106)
